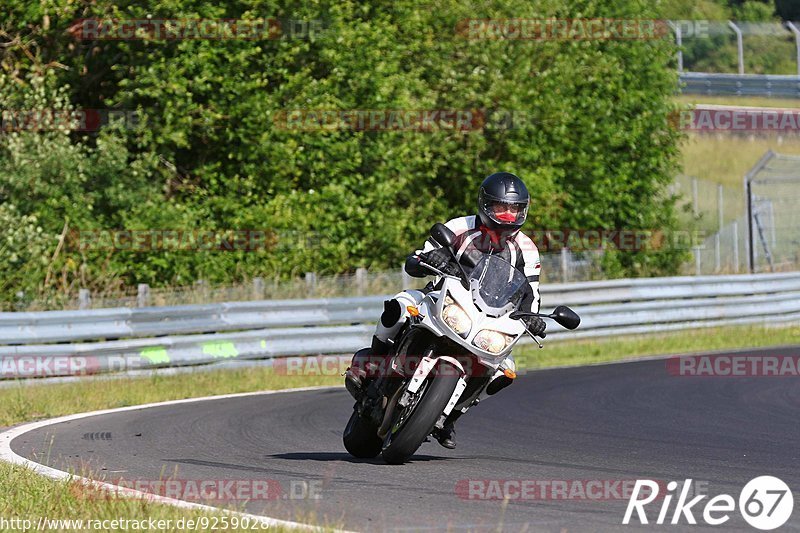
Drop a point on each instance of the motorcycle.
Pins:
(443, 358)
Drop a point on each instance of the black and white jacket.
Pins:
(472, 242)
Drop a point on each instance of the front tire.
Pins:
(410, 436)
(360, 438)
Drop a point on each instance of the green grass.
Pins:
(24, 403)
(750, 101)
(26, 495)
(589, 351)
(726, 159)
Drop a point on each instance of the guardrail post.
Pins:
(361, 280)
(84, 299)
(311, 282)
(258, 288)
(739, 45)
(143, 295)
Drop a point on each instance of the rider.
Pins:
(503, 203)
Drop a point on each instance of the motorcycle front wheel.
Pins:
(413, 424)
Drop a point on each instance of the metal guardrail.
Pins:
(767, 85)
(55, 343)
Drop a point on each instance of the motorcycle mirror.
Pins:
(443, 235)
(566, 317)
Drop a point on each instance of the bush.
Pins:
(589, 137)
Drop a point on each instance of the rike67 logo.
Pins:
(765, 503)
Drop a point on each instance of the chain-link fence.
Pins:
(772, 192)
(754, 227)
(713, 214)
(737, 47)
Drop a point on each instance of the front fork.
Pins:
(423, 370)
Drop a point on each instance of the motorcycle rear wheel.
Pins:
(361, 438)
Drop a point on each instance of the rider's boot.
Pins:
(503, 377)
(447, 435)
(369, 361)
(364, 362)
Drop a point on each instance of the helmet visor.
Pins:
(502, 211)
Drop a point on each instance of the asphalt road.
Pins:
(609, 424)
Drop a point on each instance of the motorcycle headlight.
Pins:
(455, 317)
(492, 341)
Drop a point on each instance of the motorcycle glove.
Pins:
(442, 260)
(535, 325)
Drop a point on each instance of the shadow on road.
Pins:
(342, 456)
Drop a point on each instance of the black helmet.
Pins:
(503, 189)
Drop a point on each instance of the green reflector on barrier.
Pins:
(220, 350)
(155, 354)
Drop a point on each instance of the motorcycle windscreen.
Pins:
(497, 287)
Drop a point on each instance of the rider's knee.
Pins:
(392, 311)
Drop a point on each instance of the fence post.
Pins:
(564, 264)
(739, 45)
(361, 280)
(678, 43)
(142, 295)
(698, 265)
(258, 288)
(20, 303)
(695, 200)
(735, 229)
(311, 283)
(84, 299)
(406, 279)
(202, 289)
(796, 32)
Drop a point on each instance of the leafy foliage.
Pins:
(585, 126)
